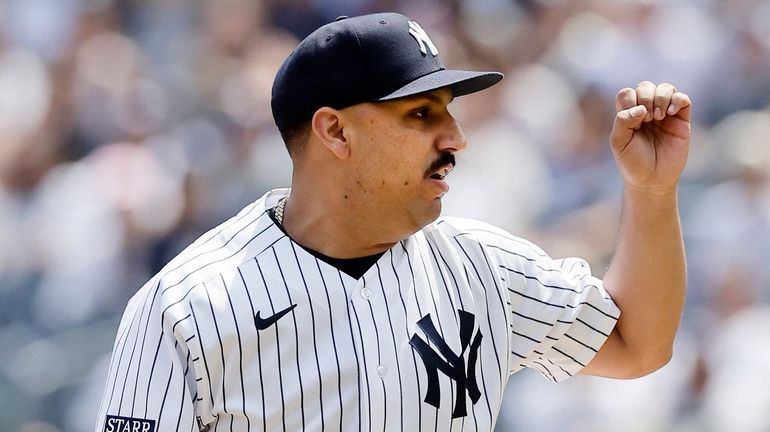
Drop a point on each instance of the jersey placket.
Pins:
(379, 341)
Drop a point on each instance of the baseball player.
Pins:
(346, 303)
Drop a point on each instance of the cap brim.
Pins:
(461, 82)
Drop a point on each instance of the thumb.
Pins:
(626, 122)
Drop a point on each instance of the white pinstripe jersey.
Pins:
(425, 340)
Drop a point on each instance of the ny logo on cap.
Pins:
(422, 38)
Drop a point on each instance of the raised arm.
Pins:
(647, 277)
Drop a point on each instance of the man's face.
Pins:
(400, 152)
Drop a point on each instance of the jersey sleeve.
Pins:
(151, 383)
(559, 313)
(560, 317)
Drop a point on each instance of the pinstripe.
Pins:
(592, 327)
(436, 308)
(535, 319)
(497, 290)
(534, 261)
(563, 370)
(240, 353)
(448, 295)
(489, 323)
(155, 359)
(524, 336)
(182, 393)
(482, 360)
(545, 369)
(504, 237)
(203, 350)
(165, 394)
(395, 349)
(122, 337)
(568, 356)
(259, 355)
(419, 309)
(296, 339)
(537, 299)
(222, 352)
(585, 303)
(141, 355)
(379, 359)
(414, 357)
(355, 351)
(312, 321)
(366, 368)
(334, 341)
(131, 359)
(451, 273)
(536, 279)
(411, 274)
(581, 343)
(277, 346)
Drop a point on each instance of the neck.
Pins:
(329, 224)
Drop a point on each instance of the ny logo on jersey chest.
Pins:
(452, 365)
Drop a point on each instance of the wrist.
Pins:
(650, 196)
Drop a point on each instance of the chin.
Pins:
(432, 212)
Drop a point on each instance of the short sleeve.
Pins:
(559, 313)
(151, 379)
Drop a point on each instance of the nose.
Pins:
(452, 137)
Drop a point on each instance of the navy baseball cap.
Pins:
(368, 58)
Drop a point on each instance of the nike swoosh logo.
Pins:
(263, 323)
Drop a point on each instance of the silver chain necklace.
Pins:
(279, 209)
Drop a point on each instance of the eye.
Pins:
(421, 113)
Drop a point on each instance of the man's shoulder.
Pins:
(464, 230)
(220, 250)
(452, 225)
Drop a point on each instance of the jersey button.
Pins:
(381, 371)
(366, 293)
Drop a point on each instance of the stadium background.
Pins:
(129, 127)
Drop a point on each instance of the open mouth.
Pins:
(442, 172)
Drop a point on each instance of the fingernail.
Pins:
(658, 113)
(636, 111)
(671, 110)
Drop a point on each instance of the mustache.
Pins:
(445, 158)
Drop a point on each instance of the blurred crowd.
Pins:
(130, 127)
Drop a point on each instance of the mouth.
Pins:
(442, 172)
(441, 166)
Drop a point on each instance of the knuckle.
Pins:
(644, 98)
(645, 83)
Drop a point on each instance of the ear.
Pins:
(328, 126)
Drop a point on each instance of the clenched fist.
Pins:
(651, 136)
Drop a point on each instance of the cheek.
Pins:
(389, 162)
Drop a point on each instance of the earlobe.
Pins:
(328, 126)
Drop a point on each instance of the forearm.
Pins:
(647, 277)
